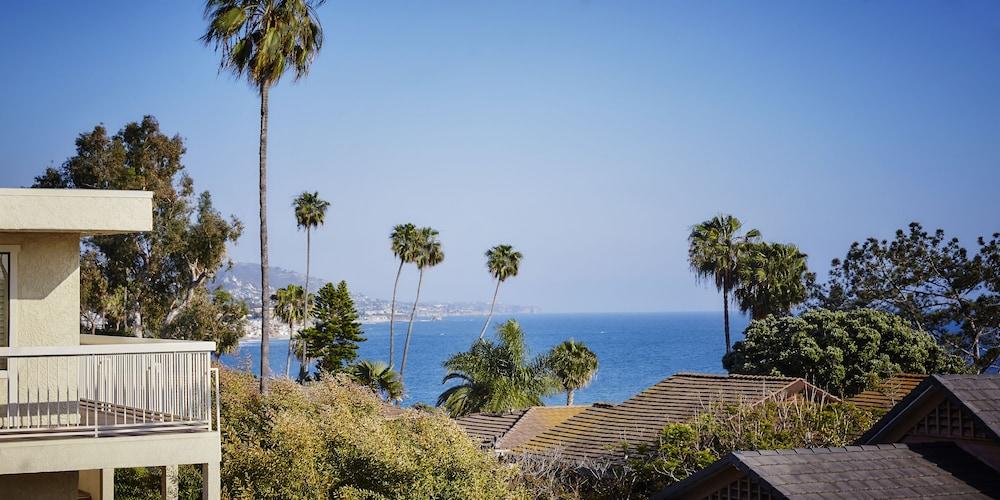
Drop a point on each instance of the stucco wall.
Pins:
(47, 302)
(75, 210)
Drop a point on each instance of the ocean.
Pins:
(634, 350)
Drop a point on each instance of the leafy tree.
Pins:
(932, 281)
(335, 335)
(379, 377)
(93, 289)
(772, 280)
(503, 262)
(261, 40)
(428, 255)
(844, 352)
(158, 273)
(715, 251)
(289, 307)
(216, 316)
(404, 244)
(496, 376)
(573, 366)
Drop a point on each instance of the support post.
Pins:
(107, 484)
(169, 484)
(211, 482)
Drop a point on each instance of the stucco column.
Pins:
(169, 482)
(107, 484)
(211, 483)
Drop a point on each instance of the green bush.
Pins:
(844, 352)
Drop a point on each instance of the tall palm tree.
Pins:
(288, 308)
(772, 280)
(716, 249)
(503, 262)
(573, 365)
(261, 40)
(379, 377)
(496, 376)
(404, 247)
(310, 212)
(429, 254)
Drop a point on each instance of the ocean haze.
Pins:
(589, 135)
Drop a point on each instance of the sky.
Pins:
(589, 134)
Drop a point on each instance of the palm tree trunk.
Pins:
(725, 313)
(409, 329)
(392, 317)
(265, 288)
(489, 317)
(569, 397)
(288, 355)
(305, 302)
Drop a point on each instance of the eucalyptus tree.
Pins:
(503, 262)
(288, 308)
(310, 212)
(379, 377)
(404, 246)
(573, 366)
(261, 40)
(496, 376)
(428, 255)
(716, 250)
(772, 280)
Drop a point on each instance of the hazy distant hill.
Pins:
(243, 281)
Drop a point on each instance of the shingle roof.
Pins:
(979, 394)
(875, 471)
(889, 392)
(597, 431)
(503, 431)
(486, 428)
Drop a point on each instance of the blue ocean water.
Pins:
(634, 350)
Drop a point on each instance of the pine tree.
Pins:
(335, 336)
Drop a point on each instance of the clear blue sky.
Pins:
(589, 134)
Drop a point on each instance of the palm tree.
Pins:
(503, 262)
(772, 280)
(404, 247)
(379, 377)
(261, 40)
(573, 365)
(428, 254)
(496, 376)
(716, 251)
(310, 212)
(288, 308)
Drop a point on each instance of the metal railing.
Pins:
(108, 387)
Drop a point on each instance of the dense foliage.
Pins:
(844, 352)
(145, 282)
(930, 280)
(496, 376)
(772, 279)
(333, 340)
(329, 439)
(215, 316)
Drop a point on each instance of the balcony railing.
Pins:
(108, 386)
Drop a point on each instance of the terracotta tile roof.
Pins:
(598, 431)
(889, 392)
(939, 470)
(503, 431)
(486, 428)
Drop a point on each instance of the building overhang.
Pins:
(79, 211)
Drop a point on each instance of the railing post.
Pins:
(97, 392)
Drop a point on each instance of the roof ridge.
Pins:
(732, 375)
(821, 449)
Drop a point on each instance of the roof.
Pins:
(597, 431)
(978, 394)
(503, 431)
(889, 392)
(82, 211)
(876, 471)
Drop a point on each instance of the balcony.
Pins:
(108, 386)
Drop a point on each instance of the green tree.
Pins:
(573, 365)
(503, 262)
(496, 376)
(428, 255)
(772, 280)
(288, 307)
(310, 212)
(335, 335)
(93, 289)
(158, 273)
(844, 352)
(379, 377)
(214, 316)
(715, 252)
(405, 246)
(261, 40)
(932, 281)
